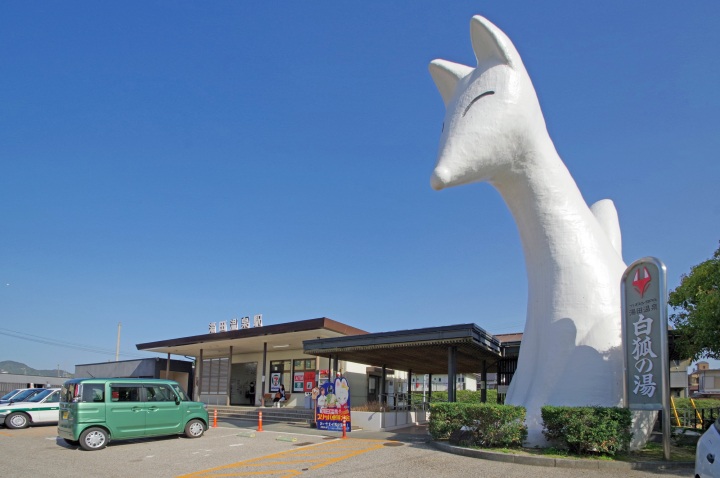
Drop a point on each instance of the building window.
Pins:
(280, 374)
(303, 375)
(303, 364)
(214, 376)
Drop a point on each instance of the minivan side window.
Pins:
(124, 393)
(159, 393)
(181, 393)
(93, 392)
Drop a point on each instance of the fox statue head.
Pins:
(493, 121)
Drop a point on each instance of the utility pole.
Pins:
(117, 347)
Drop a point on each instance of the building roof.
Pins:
(419, 350)
(509, 338)
(287, 336)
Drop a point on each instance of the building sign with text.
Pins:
(243, 323)
(644, 318)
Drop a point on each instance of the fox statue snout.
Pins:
(438, 179)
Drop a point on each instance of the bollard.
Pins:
(215, 419)
(259, 428)
(344, 429)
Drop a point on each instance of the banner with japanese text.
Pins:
(333, 405)
(644, 314)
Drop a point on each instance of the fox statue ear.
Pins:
(446, 76)
(490, 44)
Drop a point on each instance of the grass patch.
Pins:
(654, 452)
(555, 452)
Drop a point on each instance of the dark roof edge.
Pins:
(459, 332)
(341, 328)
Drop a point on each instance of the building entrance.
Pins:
(242, 383)
(373, 388)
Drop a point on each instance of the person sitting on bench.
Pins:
(279, 396)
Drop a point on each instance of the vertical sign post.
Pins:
(645, 344)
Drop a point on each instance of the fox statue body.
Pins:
(494, 131)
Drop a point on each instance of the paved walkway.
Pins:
(419, 434)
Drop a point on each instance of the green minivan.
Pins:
(94, 411)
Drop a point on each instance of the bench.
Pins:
(268, 399)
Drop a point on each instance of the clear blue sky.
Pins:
(170, 164)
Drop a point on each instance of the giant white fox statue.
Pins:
(494, 131)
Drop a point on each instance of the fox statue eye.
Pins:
(475, 99)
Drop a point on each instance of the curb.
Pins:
(561, 462)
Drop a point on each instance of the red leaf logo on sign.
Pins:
(641, 283)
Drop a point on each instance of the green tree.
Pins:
(696, 304)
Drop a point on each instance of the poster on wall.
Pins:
(298, 378)
(309, 378)
(333, 406)
(323, 377)
(275, 381)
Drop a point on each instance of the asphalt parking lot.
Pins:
(236, 449)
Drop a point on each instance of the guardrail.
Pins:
(700, 418)
(401, 402)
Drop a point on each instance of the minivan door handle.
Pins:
(152, 409)
(137, 409)
(711, 458)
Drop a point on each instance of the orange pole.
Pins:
(215, 419)
(344, 429)
(259, 428)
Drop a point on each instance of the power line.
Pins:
(62, 343)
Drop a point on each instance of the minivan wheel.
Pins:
(194, 428)
(93, 439)
(17, 420)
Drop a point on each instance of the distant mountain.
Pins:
(18, 368)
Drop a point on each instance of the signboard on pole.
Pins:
(645, 325)
(333, 405)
